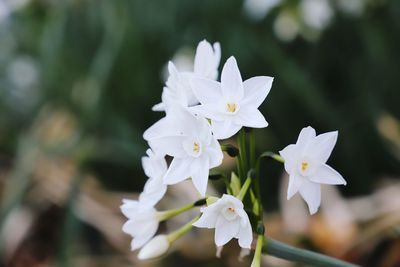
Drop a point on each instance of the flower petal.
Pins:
(327, 175)
(256, 90)
(245, 236)
(207, 59)
(322, 146)
(250, 117)
(206, 90)
(178, 171)
(311, 193)
(225, 230)
(200, 170)
(168, 145)
(215, 153)
(295, 182)
(306, 136)
(209, 111)
(289, 154)
(224, 129)
(208, 219)
(231, 81)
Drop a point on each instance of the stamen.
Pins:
(231, 107)
(196, 147)
(304, 166)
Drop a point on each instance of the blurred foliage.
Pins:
(100, 64)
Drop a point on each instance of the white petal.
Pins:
(295, 182)
(139, 241)
(224, 129)
(235, 201)
(322, 146)
(179, 170)
(158, 107)
(245, 235)
(130, 207)
(327, 175)
(200, 169)
(158, 246)
(311, 193)
(206, 90)
(166, 126)
(225, 230)
(231, 81)
(206, 60)
(168, 145)
(289, 154)
(306, 136)
(250, 117)
(215, 153)
(207, 220)
(256, 90)
(154, 190)
(209, 111)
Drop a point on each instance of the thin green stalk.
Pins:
(243, 151)
(182, 231)
(257, 254)
(278, 249)
(165, 215)
(252, 148)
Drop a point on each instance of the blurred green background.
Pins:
(78, 79)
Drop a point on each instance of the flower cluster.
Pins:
(200, 111)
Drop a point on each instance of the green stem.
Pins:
(243, 152)
(252, 148)
(182, 231)
(278, 249)
(244, 189)
(257, 254)
(165, 215)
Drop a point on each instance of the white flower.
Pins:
(189, 140)
(142, 222)
(232, 103)
(229, 219)
(305, 163)
(155, 248)
(155, 167)
(178, 90)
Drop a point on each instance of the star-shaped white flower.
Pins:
(229, 219)
(305, 162)
(232, 103)
(178, 90)
(189, 140)
(155, 167)
(142, 222)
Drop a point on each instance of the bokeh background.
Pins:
(78, 79)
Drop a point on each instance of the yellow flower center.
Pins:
(196, 147)
(304, 166)
(231, 107)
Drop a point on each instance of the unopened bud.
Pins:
(231, 150)
(155, 248)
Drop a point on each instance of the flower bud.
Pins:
(154, 248)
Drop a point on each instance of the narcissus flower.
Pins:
(142, 222)
(155, 167)
(305, 162)
(178, 90)
(229, 219)
(232, 103)
(189, 140)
